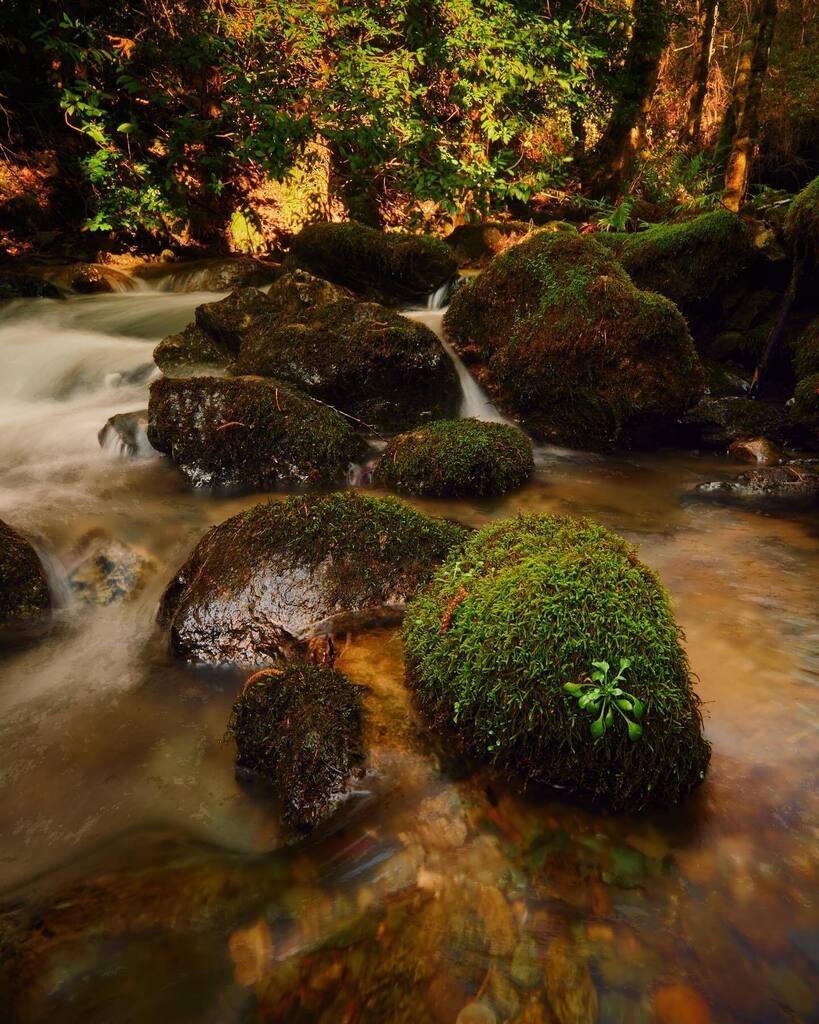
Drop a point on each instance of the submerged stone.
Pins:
(391, 266)
(267, 580)
(566, 343)
(456, 458)
(299, 727)
(106, 570)
(248, 432)
(528, 605)
(24, 593)
(385, 370)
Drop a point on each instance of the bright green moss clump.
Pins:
(391, 266)
(455, 458)
(566, 343)
(527, 606)
(690, 263)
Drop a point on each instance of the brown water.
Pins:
(143, 884)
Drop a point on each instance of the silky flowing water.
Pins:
(156, 887)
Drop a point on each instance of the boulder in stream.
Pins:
(25, 286)
(564, 342)
(299, 727)
(24, 593)
(718, 422)
(248, 432)
(392, 267)
(545, 647)
(106, 570)
(263, 583)
(226, 321)
(190, 352)
(126, 434)
(456, 458)
(370, 362)
(792, 486)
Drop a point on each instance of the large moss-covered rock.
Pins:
(299, 727)
(456, 458)
(248, 432)
(390, 266)
(369, 361)
(226, 321)
(191, 351)
(802, 223)
(691, 262)
(529, 605)
(24, 594)
(268, 579)
(566, 343)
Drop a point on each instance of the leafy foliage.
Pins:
(602, 696)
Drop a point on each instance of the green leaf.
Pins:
(637, 707)
(597, 728)
(635, 731)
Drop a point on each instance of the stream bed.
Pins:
(151, 886)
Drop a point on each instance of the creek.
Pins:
(179, 900)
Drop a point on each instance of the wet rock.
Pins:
(25, 286)
(299, 726)
(565, 343)
(723, 382)
(758, 450)
(717, 422)
(790, 485)
(440, 823)
(385, 370)
(294, 294)
(282, 573)
(392, 267)
(248, 432)
(477, 1013)
(569, 985)
(190, 352)
(213, 275)
(227, 320)
(106, 570)
(679, 1004)
(89, 279)
(24, 593)
(455, 458)
(126, 434)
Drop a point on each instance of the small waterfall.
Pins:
(439, 299)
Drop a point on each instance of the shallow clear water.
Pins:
(150, 886)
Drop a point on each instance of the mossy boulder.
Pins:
(393, 267)
(25, 286)
(226, 321)
(189, 352)
(528, 605)
(456, 458)
(24, 593)
(385, 370)
(269, 579)
(717, 422)
(248, 432)
(805, 408)
(298, 292)
(475, 244)
(806, 354)
(802, 223)
(565, 342)
(299, 727)
(691, 262)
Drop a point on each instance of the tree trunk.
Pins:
(621, 140)
(747, 101)
(706, 25)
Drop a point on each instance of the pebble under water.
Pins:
(143, 883)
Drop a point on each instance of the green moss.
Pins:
(24, 593)
(691, 262)
(805, 408)
(299, 726)
(454, 458)
(565, 342)
(249, 432)
(806, 357)
(802, 221)
(190, 350)
(525, 607)
(393, 266)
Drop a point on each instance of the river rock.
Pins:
(790, 485)
(24, 593)
(299, 727)
(106, 570)
(248, 432)
(267, 580)
(717, 422)
(758, 450)
(212, 275)
(126, 434)
(385, 370)
(25, 286)
(565, 343)
(191, 352)
(227, 320)
(569, 985)
(392, 267)
(89, 279)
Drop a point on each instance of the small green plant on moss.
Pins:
(601, 696)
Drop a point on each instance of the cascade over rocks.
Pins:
(456, 458)
(299, 727)
(261, 584)
(391, 267)
(526, 606)
(24, 593)
(248, 432)
(369, 361)
(566, 343)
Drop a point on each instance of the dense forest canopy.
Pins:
(184, 120)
